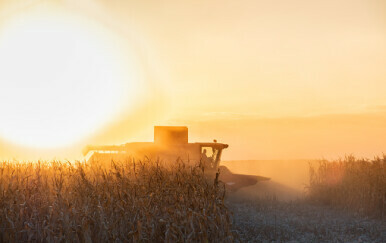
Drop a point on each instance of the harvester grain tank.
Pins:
(171, 143)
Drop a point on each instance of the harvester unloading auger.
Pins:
(171, 143)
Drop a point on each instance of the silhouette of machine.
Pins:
(170, 144)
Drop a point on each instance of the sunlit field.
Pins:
(154, 202)
(351, 183)
(136, 201)
(192, 121)
(311, 201)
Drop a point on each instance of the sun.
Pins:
(61, 79)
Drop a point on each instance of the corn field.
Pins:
(124, 202)
(355, 184)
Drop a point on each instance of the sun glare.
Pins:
(60, 79)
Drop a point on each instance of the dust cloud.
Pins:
(288, 178)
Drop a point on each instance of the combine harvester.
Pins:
(170, 144)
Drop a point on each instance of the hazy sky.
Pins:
(263, 67)
(268, 58)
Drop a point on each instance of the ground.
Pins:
(272, 219)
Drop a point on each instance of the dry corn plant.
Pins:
(355, 184)
(125, 202)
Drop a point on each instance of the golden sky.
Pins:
(274, 79)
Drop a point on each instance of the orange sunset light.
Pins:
(63, 76)
(192, 120)
(302, 79)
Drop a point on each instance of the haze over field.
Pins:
(275, 80)
(192, 120)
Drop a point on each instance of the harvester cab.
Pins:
(171, 143)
